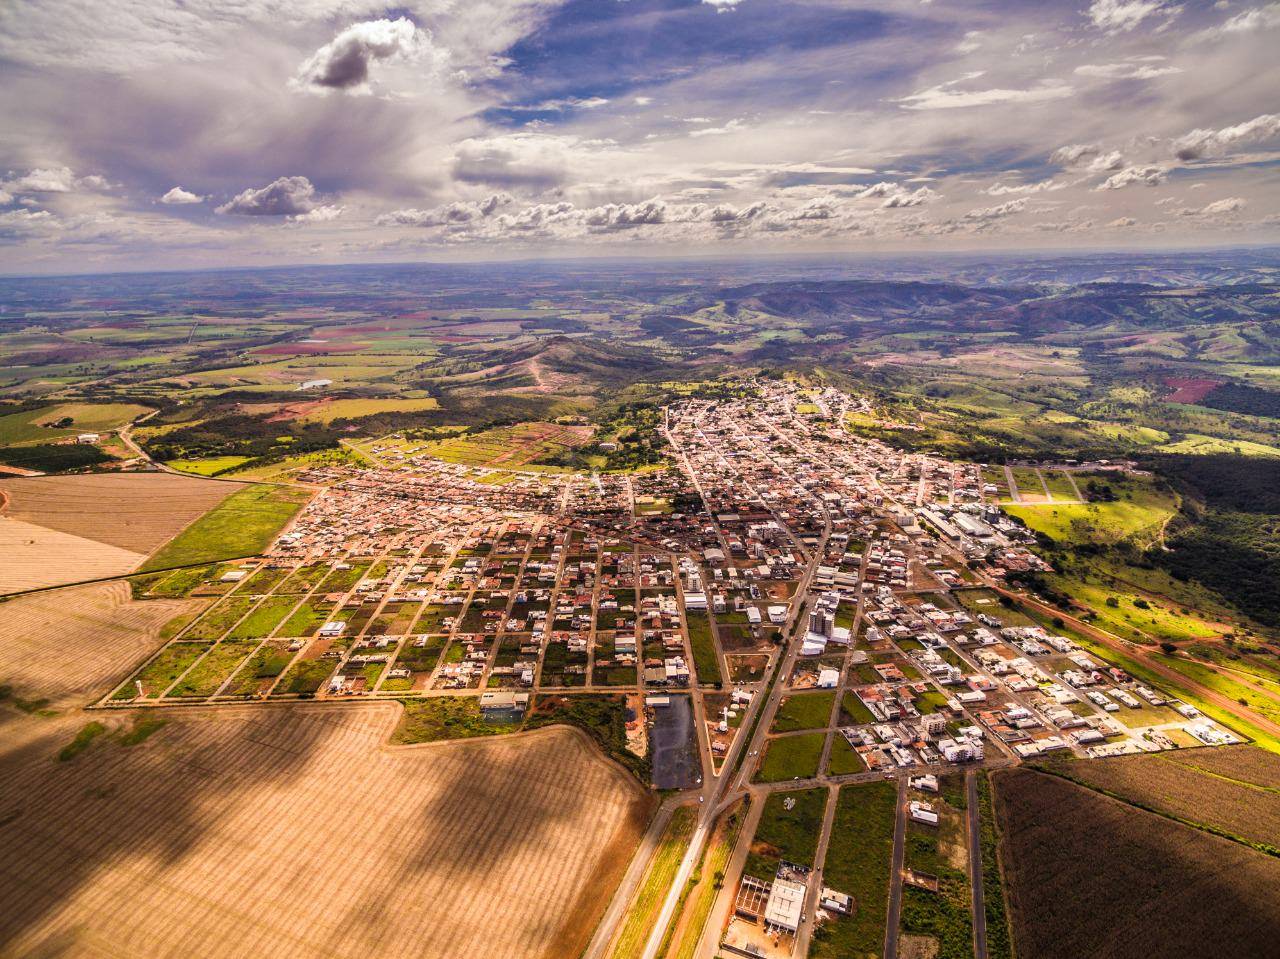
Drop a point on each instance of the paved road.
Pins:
(895, 874)
(815, 881)
(975, 867)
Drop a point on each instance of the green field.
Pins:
(208, 466)
(648, 900)
(790, 834)
(858, 860)
(705, 660)
(791, 757)
(1140, 511)
(352, 409)
(804, 711)
(243, 524)
(33, 426)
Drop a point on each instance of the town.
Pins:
(787, 606)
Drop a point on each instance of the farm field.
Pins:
(243, 524)
(350, 409)
(73, 644)
(1133, 884)
(1237, 795)
(133, 511)
(513, 447)
(36, 557)
(216, 814)
(34, 426)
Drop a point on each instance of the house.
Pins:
(88, 438)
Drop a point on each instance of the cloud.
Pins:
(1135, 175)
(1073, 153)
(1008, 208)
(1259, 18)
(561, 104)
(733, 126)
(819, 208)
(1123, 221)
(623, 216)
(895, 195)
(178, 196)
(945, 97)
(1042, 186)
(1126, 70)
(1201, 143)
(287, 196)
(451, 214)
(5, 197)
(722, 5)
(1106, 162)
(1121, 16)
(46, 180)
(518, 159)
(320, 214)
(1233, 204)
(343, 63)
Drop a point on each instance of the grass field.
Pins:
(208, 466)
(219, 828)
(1140, 512)
(73, 644)
(791, 757)
(33, 426)
(512, 447)
(858, 859)
(790, 834)
(1134, 881)
(804, 711)
(705, 660)
(244, 524)
(352, 409)
(648, 899)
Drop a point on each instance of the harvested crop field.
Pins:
(134, 511)
(36, 556)
(1231, 790)
(296, 831)
(78, 642)
(1092, 876)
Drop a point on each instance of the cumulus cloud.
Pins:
(287, 196)
(1122, 221)
(895, 195)
(178, 197)
(945, 96)
(450, 214)
(733, 126)
(45, 180)
(1120, 16)
(518, 159)
(343, 63)
(722, 5)
(1041, 186)
(320, 214)
(1073, 153)
(987, 214)
(1201, 143)
(1233, 204)
(5, 197)
(623, 216)
(819, 208)
(1135, 176)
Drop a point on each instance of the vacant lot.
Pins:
(1092, 876)
(243, 524)
(78, 642)
(133, 511)
(514, 447)
(1234, 793)
(295, 831)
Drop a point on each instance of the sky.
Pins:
(140, 134)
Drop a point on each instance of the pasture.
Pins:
(243, 524)
(298, 831)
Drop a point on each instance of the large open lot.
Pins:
(1092, 876)
(64, 529)
(79, 641)
(296, 831)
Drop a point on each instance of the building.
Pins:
(786, 902)
(88, 438)
(503, 704)
(314, 384)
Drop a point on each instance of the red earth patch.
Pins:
(1189, 390)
